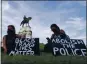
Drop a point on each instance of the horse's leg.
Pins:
(22, 25)
(26, 24)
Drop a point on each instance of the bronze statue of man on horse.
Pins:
(25, 21)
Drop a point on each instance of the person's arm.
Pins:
(52, 36)
(4, 44)
(67, 37)
(18, 36)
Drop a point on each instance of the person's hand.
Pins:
(48, 38)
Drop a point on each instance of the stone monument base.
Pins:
(25, 32)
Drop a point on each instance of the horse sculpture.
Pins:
(25, 21)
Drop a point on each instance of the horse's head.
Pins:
(29, 18)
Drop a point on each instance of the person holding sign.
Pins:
(56, 33)
(9, 39)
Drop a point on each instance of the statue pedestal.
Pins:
(25, 32)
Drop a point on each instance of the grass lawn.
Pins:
(44, 58)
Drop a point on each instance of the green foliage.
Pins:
(43, 59)
(41, 46)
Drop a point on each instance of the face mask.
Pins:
(54, 30)
(10, 32)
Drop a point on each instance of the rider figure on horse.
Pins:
(25, 21)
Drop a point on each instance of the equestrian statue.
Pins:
(25, 21)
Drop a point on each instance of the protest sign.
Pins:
(68, 47)
(26, 46)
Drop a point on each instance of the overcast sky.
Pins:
(68, 15)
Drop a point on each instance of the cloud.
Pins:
(43, 16)
(5, 5)
(76, 28)
(78, 23)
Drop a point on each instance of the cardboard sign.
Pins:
(26, 46)
(68, 47)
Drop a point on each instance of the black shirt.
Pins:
(10, 43)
